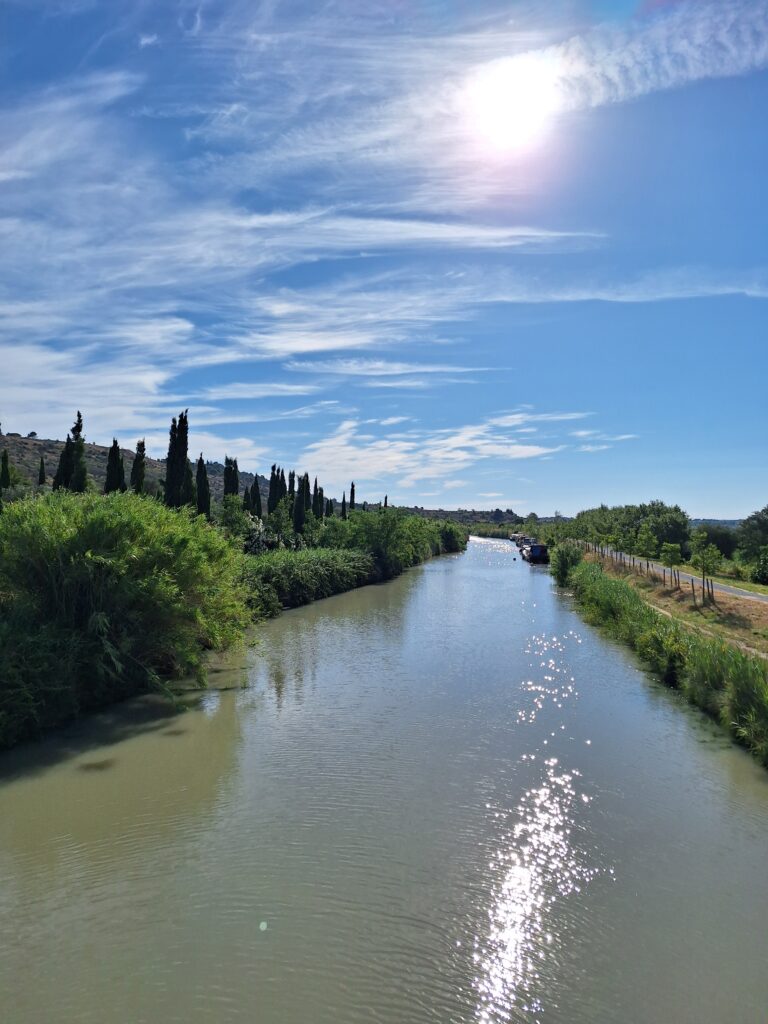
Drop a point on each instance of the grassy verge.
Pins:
(733, 619)
(726, 682)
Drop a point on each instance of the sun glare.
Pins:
(509, 105)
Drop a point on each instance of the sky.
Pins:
(469, 254)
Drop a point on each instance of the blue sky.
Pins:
(467, 254)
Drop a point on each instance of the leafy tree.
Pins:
(203, 489)
(671, 555)
(724, 538)
(344, 505)
(704, 556)
(646, 544)
(759, 573)
(247, 499)
(41, 472)
(115, 479)
(352, 497)
(5, 472)
(138, 469)
(753, 534)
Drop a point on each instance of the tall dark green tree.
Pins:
(115, 480)
(5, 471)
(344, 505)
(41, 472)
(315, 501)
(321, 503)
(283, 491)
(138, 469)
(77, 427)
(292, 482)
(176, 461)
(63, 475)
(273, 487)
(299, 509)
(352, 497)
(306, 493)
(188, 496)
(329, 508)
(386, 501)
(256, 497)
(231, 476)
(79, 481)
(247, 499)
(203, 489)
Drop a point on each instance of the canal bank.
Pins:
(442, 799)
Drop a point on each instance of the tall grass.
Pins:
(287, 579)
(102, 597)
(729, 684)
(565, 557)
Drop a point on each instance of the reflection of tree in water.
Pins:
(140, 768)
(303, 645)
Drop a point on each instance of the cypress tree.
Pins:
(321, 503)
(283, 492)
(299, 509)
(79, 481)
(306, 492)
(41, 472)
(352, 497)
(203, 489)
(77, 428)
(176, 461)
(5, 471)
(272, 498)
(386, 501)
(247, 499)
(187, 493)
(328, 508)
(256, 497)
(365, 506)
(292, 483)
(63, 475)
(315, 501)
(112, 482)
(344, 505)
(138, 468)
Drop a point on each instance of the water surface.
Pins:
(444, 799)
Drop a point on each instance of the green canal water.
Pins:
(444, 799)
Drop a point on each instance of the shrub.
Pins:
(102, 597)
(292, 578)
(565, 557)
(759, 573)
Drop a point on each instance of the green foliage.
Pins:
(232, 518)
(394, 539)
(231, 476)
(5, 472)
(138, 469)
(724, 538)
(671, 555)
(115, 479)
(102, 597)
(41, 472)
(202, 489)
(79, 481)
(704, 556)
(753, 534)
(759, 572)
(627, 528)
(564, 558)
(288, 579)
(646, 544)
(727, 683)
(176, 461)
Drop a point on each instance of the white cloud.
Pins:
(150, 39)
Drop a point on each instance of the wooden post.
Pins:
(693, 593)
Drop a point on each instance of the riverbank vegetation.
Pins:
(726, 682)
(109, 592)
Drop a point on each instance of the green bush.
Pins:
(564, 558)
(102, 597)
(717, 677)
(288, 579)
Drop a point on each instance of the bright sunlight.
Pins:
(509, 105)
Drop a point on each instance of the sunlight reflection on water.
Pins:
(538, 864)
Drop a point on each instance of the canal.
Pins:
(444, 799)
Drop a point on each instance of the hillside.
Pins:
(24, 453)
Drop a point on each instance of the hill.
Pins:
(24, 453)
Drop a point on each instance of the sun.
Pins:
(509, 105)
